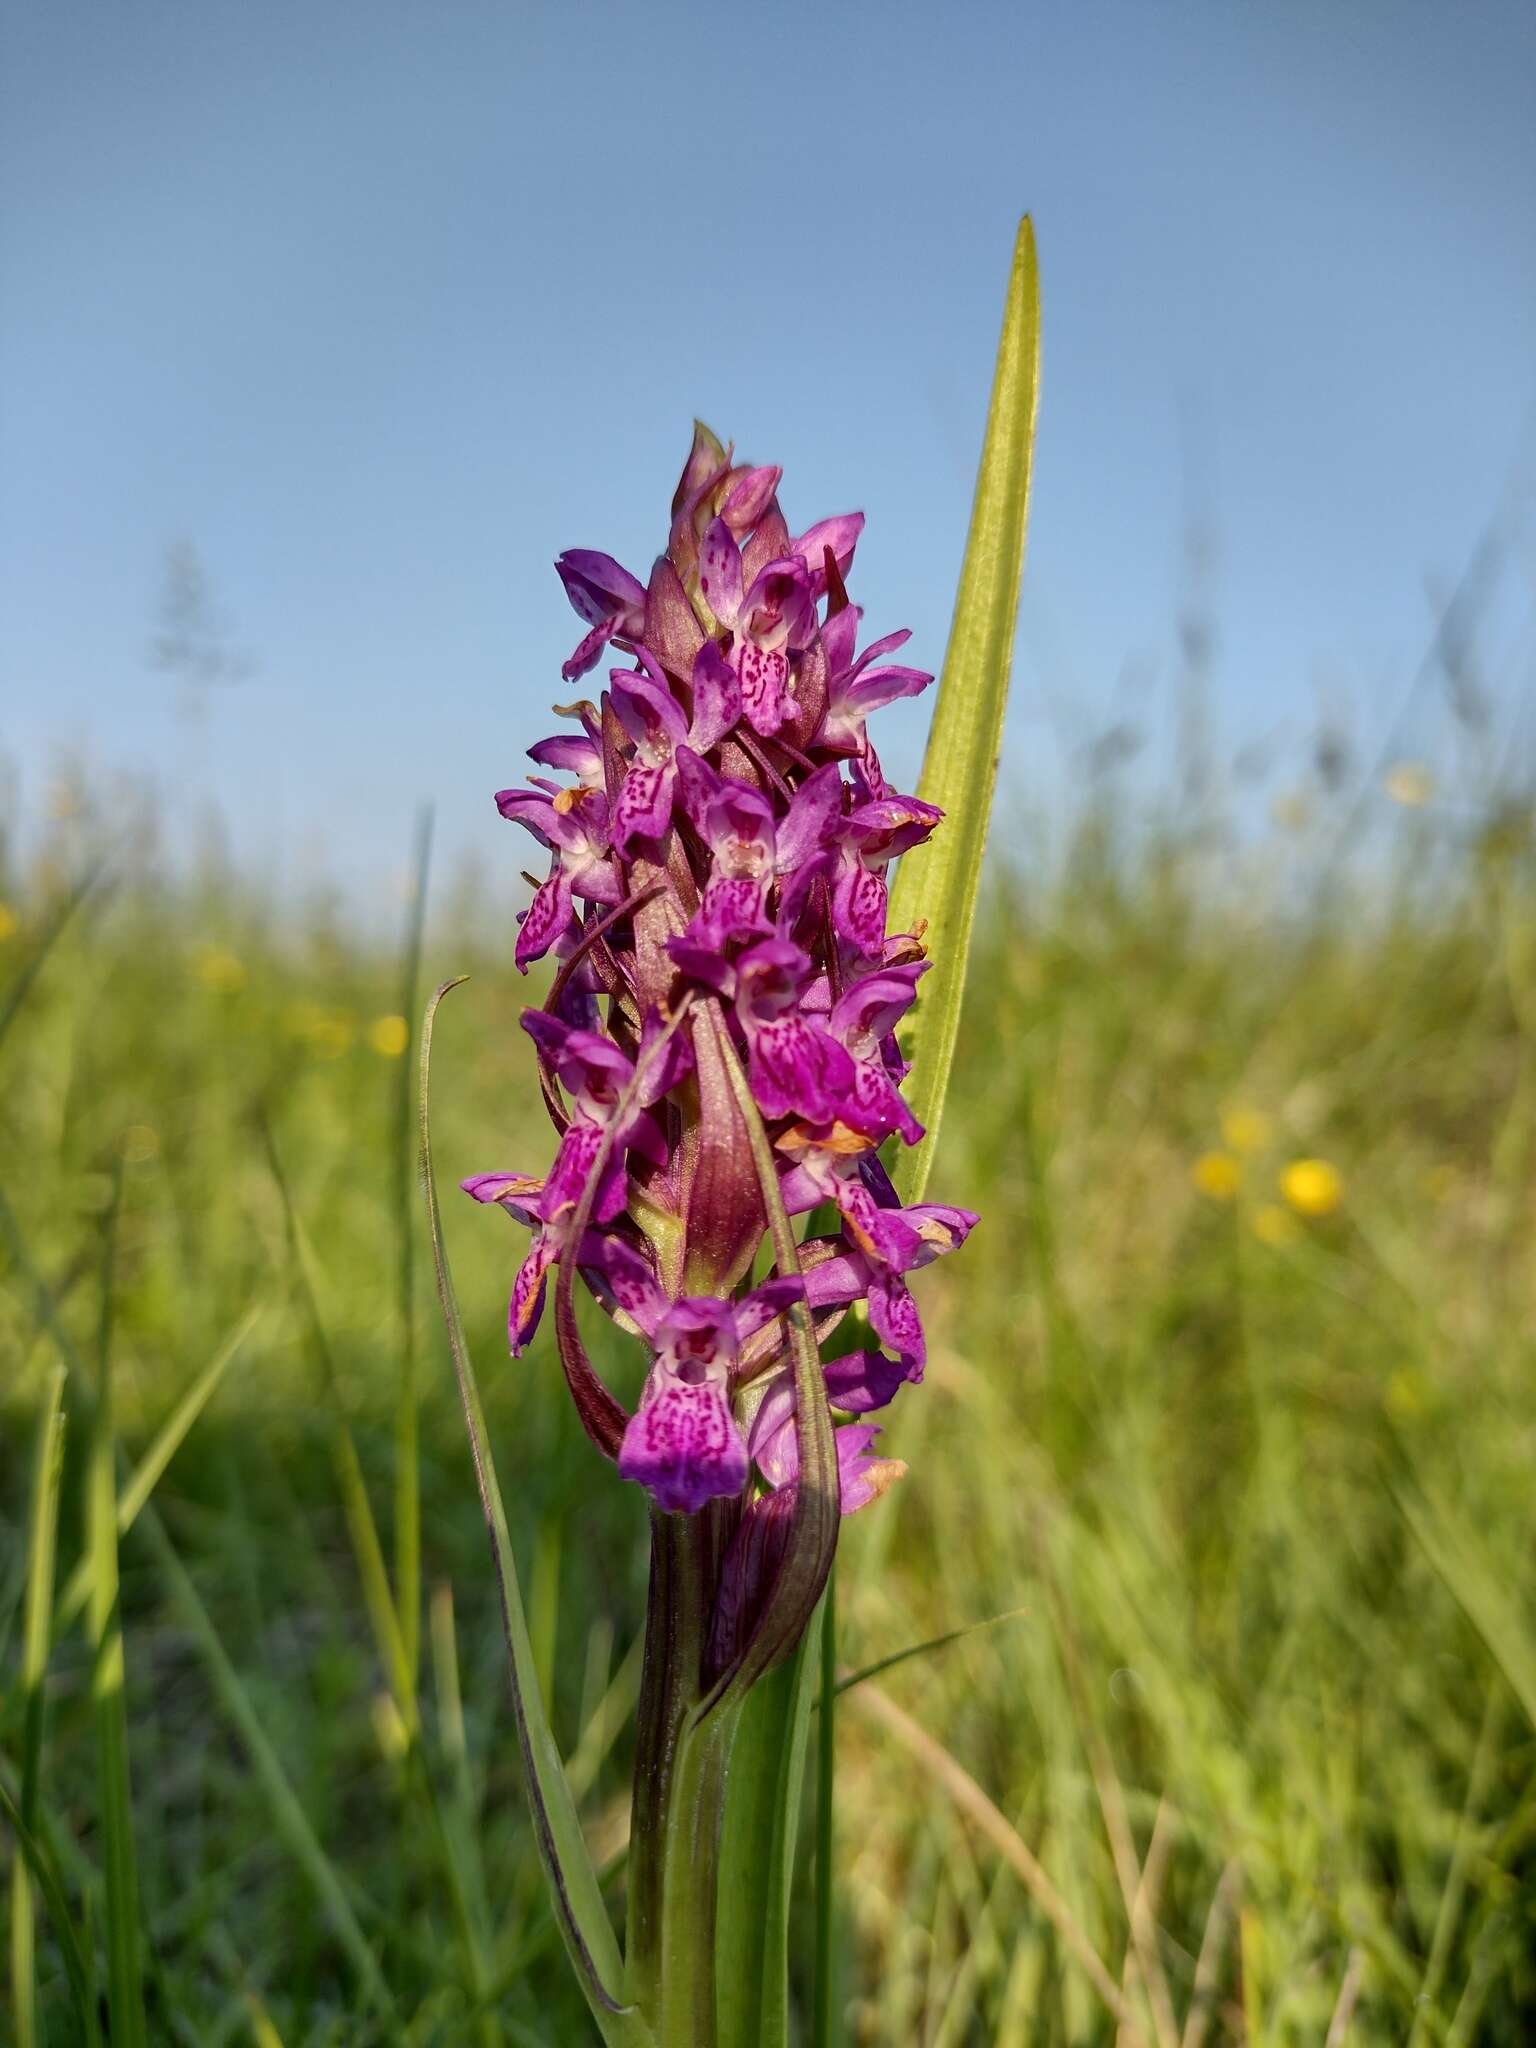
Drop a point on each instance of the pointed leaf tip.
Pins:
(939, 881)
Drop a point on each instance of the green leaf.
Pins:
(1479, 1587)
(939, 881)
(407, 1443)
(148, 1472)
(762, 1812)
(288, 1815)
(125, 1983)
(36, 1642)
(574, 1890)
(18, 991)
(76, 1959)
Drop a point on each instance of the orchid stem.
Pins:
(826, 1760)
(675, 1621)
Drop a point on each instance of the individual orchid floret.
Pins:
(766, 619)
(610, 600)
(840, 536)
(888, 1242)
(655, 721)
(597, 1074)
(522, 1198)
(795, 1065)
(873, 836)
(854, 689)
(573, 823)
(856, 1383)
(683, 1443)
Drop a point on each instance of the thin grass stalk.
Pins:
(74, 1948)
(407, 1412)
(824, 2027)
(289, 1817)
(48, 1469)
(125, 1983)
(146, 1475)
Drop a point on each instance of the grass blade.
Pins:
(939, 881)
(36, 1643)
(125, 1985)
(362, 1526)
(941, 1768)
(757, 1854)
(289, 1818)
(574, 1890)
(952, 1635)
(76, 1960)
(824, 2013)
(407, 1421)
(1478, 1587)
(53, 931)
(150, 1469)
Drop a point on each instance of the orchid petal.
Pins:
(716, 698)
(544, 920)
(683, 1443)
(720, 572)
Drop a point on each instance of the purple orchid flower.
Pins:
(873, 835)
(720, 832)
(573, 823)
(656, 722)
(854, 689)
(767, 619)
(856, 1383)
(610, 600)
(683, 1442)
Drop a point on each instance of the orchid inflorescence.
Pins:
(716, 904)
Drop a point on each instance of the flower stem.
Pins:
(676, 1618)
(685, 2017)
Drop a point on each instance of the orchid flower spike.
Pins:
(720, 833)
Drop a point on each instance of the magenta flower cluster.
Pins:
(719, 835)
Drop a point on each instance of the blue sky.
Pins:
(381, 306)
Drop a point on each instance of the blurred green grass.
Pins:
(1251, 1448)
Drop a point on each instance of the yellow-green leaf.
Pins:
(938, 882)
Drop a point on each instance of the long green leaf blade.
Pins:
(36, 1642)
(939, 881)
(1477, 1585)
(407, 1424)
(575, 1894)
(149, 1471)
(76, 1960)
(289, 1817)
(125, 1986)
(757, 1854)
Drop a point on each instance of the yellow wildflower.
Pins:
(1312, 1187)
(1218, 1175)
(1247, 1130)
(1410, 783)
(220, 970)
(1272, 1226)
(10, 923)
(389, 1036)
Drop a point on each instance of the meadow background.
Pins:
(1231, 1415)
(323, 330)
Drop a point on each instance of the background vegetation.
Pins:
(1231, 1412)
